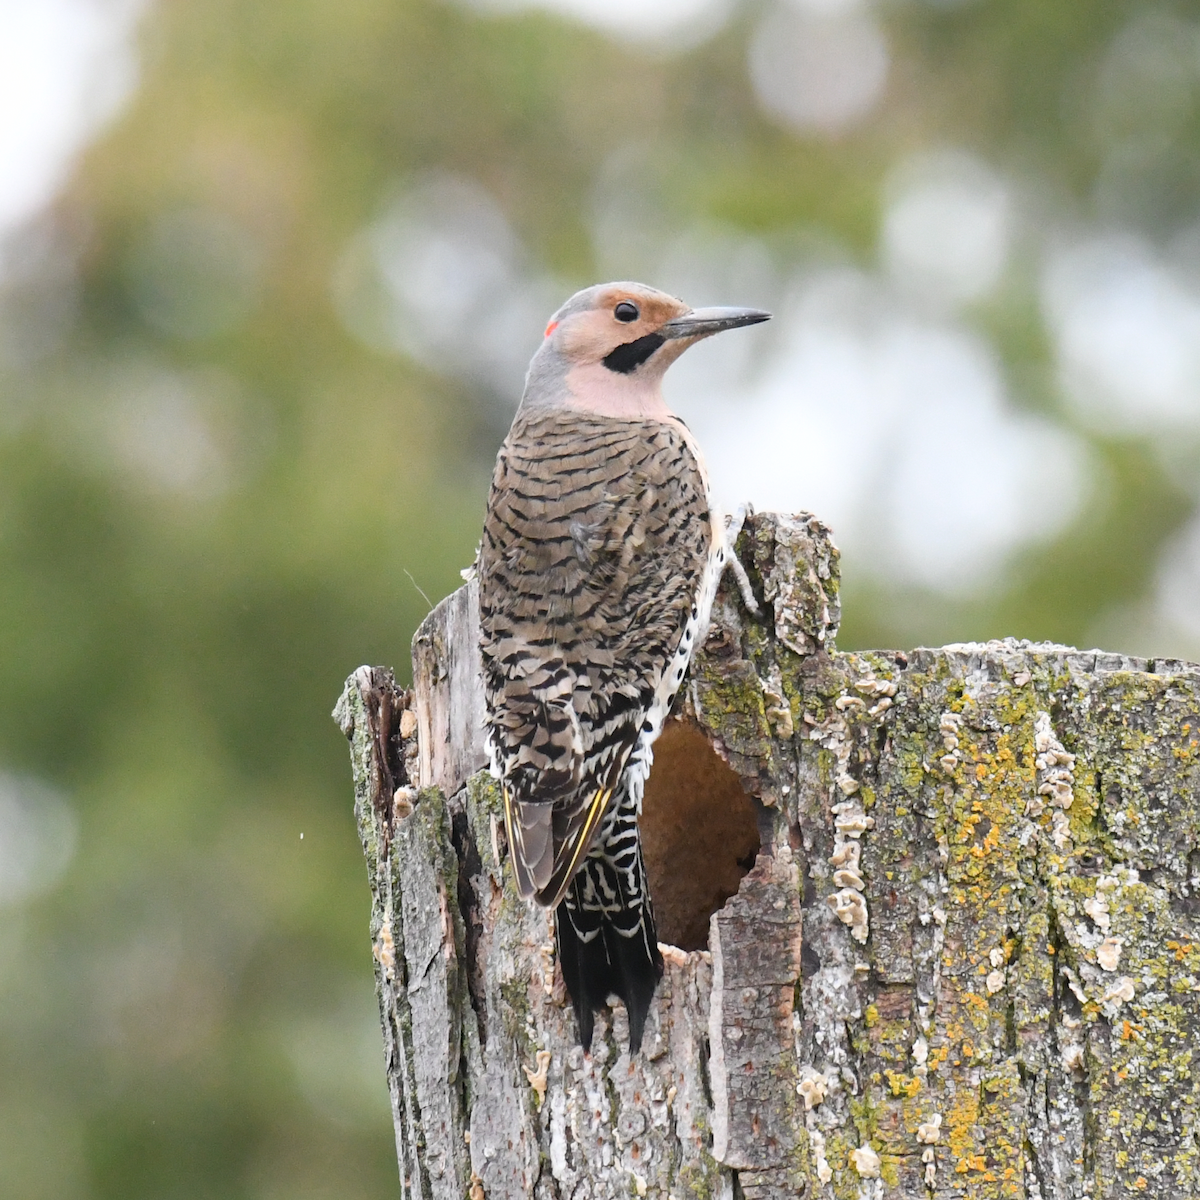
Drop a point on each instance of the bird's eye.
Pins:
(626, 312)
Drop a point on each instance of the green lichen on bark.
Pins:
(979, 897)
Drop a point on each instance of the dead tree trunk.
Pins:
(935, 916)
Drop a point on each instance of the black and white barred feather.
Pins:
(598, 564)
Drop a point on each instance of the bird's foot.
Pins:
(733, 527)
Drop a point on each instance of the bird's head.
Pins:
(607, 348)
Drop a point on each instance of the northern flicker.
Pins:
(600, 556)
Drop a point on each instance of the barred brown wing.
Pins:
(594, 550)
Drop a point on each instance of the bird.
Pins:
(601, 553)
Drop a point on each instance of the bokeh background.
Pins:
(269, 276)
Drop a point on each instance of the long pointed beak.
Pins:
(700, 322)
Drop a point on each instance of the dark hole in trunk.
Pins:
(699, 834)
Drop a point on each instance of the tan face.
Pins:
(609, 358)
(622, 314)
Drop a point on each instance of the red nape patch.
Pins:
(550, 329)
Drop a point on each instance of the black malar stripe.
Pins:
(631, 355)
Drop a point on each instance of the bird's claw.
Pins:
(733, 528)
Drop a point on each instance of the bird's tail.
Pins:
(607, 944)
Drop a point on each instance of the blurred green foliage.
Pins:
(190, 1013)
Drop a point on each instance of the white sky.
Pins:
(66, 67)
(674, 23)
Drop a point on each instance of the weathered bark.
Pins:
(965, 962)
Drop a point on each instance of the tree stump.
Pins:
(933, 923)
